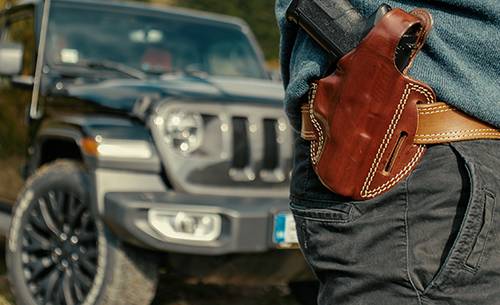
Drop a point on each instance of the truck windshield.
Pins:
(152, 43)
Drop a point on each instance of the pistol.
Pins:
(338, 27)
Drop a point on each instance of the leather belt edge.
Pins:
(441, 123)
(437, 123)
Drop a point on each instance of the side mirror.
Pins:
(11, 59)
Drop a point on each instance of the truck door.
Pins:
(15, 99)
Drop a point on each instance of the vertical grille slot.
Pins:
(241, 147)
(271, 145)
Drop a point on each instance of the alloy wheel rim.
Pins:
(59, 249)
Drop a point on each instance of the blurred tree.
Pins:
(3, 3)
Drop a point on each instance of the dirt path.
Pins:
(184, 294)
(200, 295)
(219, 295)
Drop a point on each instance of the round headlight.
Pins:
(183, 131)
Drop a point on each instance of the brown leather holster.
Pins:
(363, 120)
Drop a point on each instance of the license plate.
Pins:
(285, 234)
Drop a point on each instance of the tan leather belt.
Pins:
(437, 123)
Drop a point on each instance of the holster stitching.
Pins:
(365, 191)
(316, 148)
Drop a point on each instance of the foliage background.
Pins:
(259, 14)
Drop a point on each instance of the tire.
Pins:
(59, 253)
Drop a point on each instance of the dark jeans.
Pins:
(432, 239)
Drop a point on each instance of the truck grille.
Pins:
(245, 150)
(241, 147)
(271, 145)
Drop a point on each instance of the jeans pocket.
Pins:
(320, 214)
(486, 213)
(332, 212)
(463, 260)
(321, 225)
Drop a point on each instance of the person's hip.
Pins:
(431, 238)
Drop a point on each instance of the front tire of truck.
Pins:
(59, 253)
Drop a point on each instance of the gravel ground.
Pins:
(192, 294)
(218, 295)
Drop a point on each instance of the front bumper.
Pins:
(247, 223)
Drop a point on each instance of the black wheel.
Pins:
(60, 254)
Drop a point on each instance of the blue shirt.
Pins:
(460, 61)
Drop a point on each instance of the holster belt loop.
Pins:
(307, 131)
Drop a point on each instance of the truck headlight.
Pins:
(182, 130)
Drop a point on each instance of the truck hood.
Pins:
(121, 95)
